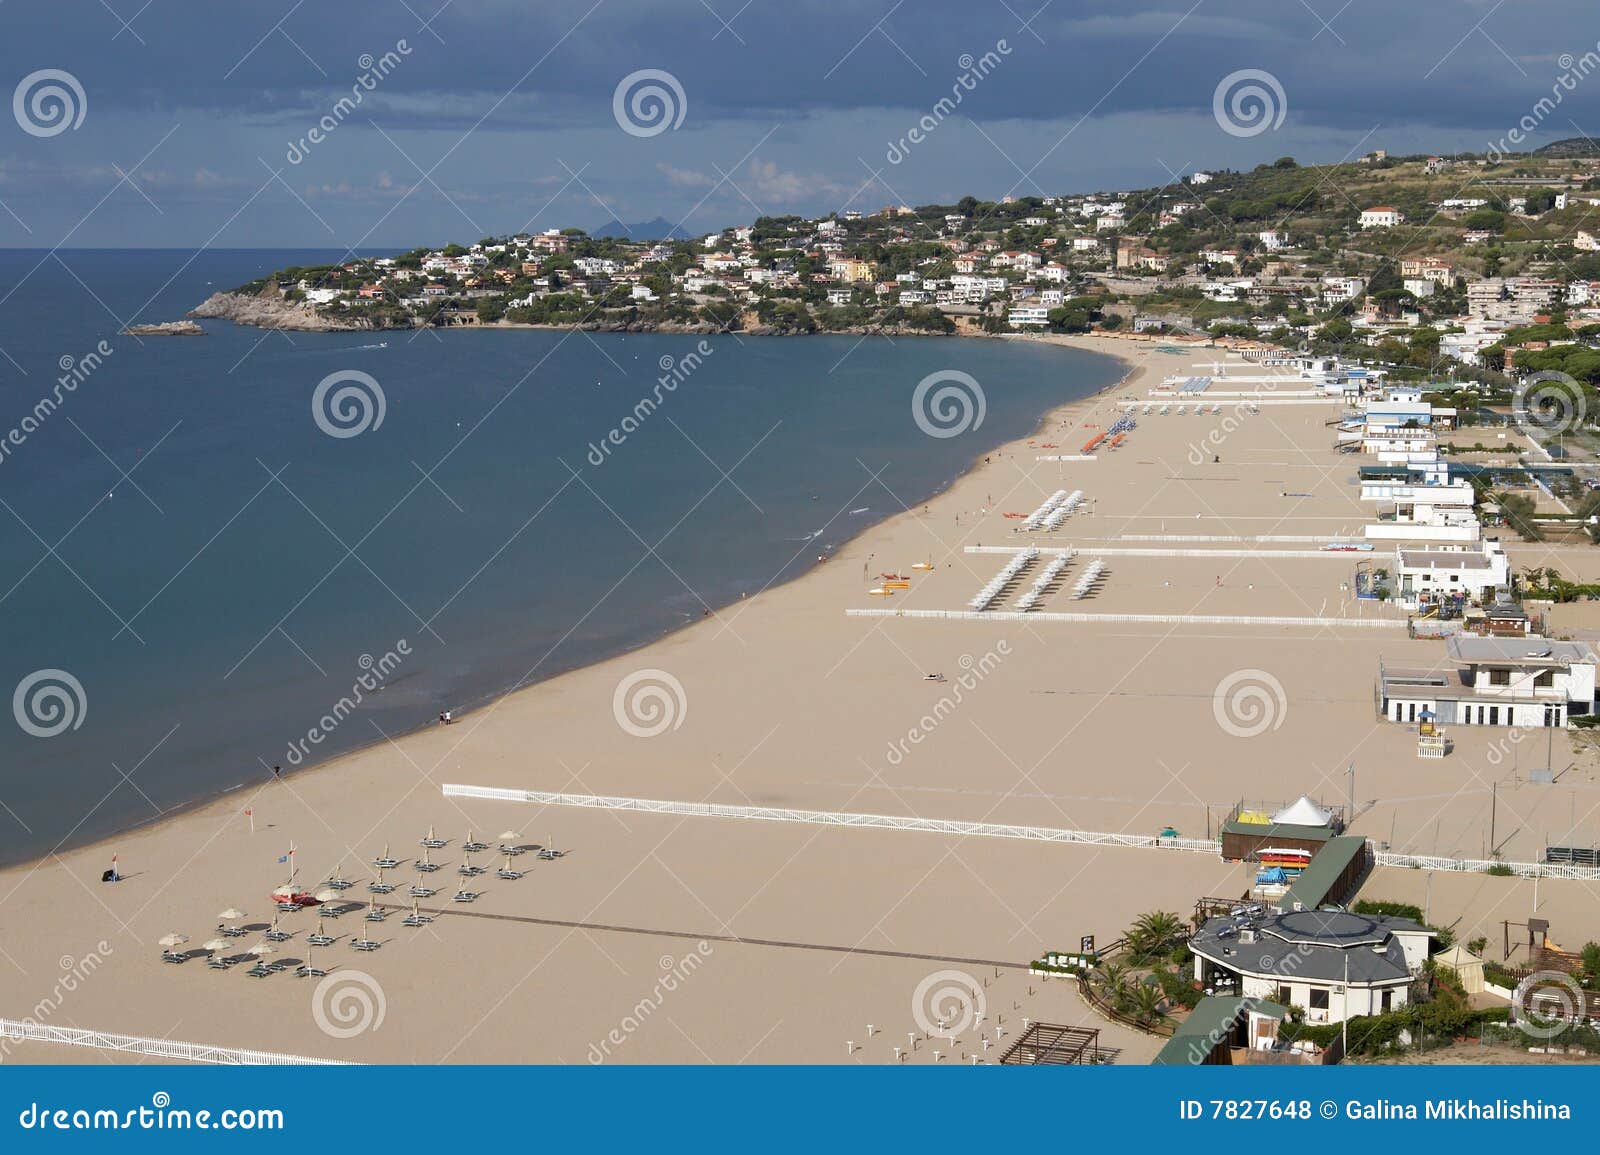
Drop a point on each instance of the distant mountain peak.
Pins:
(659, 229)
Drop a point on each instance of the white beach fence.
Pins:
(975, 829)
(1132, 619)
(19, 1030)
(832, 818)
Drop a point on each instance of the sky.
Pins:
(391, 123)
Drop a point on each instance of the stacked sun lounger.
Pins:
(1089, 580)
(987, 595)
(1051, 572)
(1065, 510)
(1036, 518)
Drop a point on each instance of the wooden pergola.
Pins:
(1055, 1045)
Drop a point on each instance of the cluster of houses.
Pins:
(1016, 264)
(1497, 671)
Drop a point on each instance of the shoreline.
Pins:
(792, 704)
(490, 700)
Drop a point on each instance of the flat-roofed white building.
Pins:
(1419, 501)
(1453, 574)
(1529, 682)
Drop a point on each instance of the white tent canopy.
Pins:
(1303, 813)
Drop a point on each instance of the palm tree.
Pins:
(1154, 932)
(1120, 993)
(1148, 1001)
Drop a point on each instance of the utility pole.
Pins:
(1344, 1022)
(1494, 798)
(1350, 790)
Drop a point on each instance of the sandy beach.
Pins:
(667, 938)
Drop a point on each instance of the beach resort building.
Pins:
(1419, 501)
(1332, 963)
(1450, 576)
(1529, 682)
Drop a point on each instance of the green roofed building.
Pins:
(1217, 1027)
(1331, 876)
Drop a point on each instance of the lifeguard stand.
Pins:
(1431, 740)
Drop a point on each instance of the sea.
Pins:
(208, 543)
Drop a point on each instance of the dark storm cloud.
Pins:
(791, 104)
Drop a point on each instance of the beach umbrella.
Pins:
(326, 895)
(509, 836)
(262, 948)
(172, 940)
(216, 944)
(231, 913)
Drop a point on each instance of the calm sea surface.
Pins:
(183, 539)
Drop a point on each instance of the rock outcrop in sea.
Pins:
(269, 310)
(165, 329)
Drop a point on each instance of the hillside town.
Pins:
(1427, 264)
(1456, 277)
